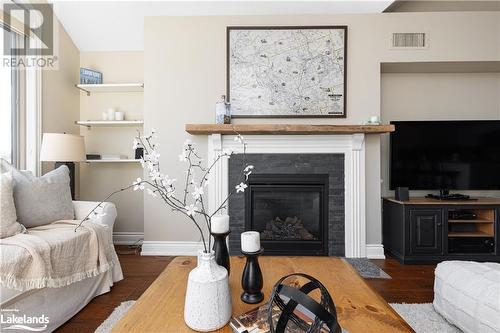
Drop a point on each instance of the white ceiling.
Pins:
(119, 25)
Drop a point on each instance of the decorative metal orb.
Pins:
(299, 312)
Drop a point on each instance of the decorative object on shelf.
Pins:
(113, 157)
(322, 316)
(105, 116)
(64, 149)
(220, 249)
(111, 113)
(208, 298)
(139, 153)
(252, 280)
(287, 71)
(374, 120)
(89, 76)
(93, 157)
(222, 111)
(119, 115)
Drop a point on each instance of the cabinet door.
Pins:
(426, 231)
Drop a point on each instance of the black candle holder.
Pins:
(220, 249)
(251, 280)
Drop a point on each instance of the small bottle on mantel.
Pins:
(222, 111)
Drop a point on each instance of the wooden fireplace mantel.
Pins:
(285, 129)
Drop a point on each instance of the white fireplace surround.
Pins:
(352, 146)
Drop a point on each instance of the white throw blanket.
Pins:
(54, 255)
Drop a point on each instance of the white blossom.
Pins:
(138, 184)
(241, 187)
(239, 139)
(188, 143)
(151, 192)
(197, 192)
(191, 210)
(247, 171)
(154, 156)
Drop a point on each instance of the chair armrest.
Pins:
(82, 208)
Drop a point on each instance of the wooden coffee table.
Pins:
(359, 308)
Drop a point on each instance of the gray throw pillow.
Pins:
(42, 200)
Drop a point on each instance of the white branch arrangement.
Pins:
(189, 201)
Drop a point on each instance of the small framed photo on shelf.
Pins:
(89, 76)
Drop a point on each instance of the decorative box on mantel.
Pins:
(348, 140)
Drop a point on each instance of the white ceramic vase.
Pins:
(208, 299)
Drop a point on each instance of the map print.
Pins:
(287, 72)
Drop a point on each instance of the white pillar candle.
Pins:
(220, 224)
(250, 241)
(374, 119)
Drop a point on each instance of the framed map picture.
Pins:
(287, 71)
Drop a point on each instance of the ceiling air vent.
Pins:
(409, 40)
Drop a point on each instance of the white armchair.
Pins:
(82, 208)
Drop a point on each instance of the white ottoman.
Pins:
(467, 294)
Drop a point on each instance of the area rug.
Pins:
(367, 269)
(115, 317)
(421, 317)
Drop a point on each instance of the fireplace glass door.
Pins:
(289, 212)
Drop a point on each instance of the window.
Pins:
(20, 111)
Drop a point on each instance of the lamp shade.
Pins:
(57, 147)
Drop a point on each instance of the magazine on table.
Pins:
(255, 320)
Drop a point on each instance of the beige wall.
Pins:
(185, 75)
(98, 180)
(443, 96)
(60, 98)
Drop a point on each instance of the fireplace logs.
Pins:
(291, 228)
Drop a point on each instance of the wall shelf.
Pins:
(113, 161)
(110, 123)
(111, 87)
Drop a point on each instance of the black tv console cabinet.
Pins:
(423, 230)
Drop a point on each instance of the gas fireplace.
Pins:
(290, 211)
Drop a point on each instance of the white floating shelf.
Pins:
(111, 87)
(109, 123)
(113, 161)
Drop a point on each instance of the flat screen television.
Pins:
(445, 155)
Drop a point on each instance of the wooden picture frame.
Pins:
(258, 78)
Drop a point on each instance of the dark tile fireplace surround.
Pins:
(295, 201)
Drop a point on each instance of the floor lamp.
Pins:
(64, 149)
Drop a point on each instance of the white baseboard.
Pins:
(162, 248)
(159, 248)
(375, 251)
(127, 238)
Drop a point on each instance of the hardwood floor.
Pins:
(139, 272)
(409, 284)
